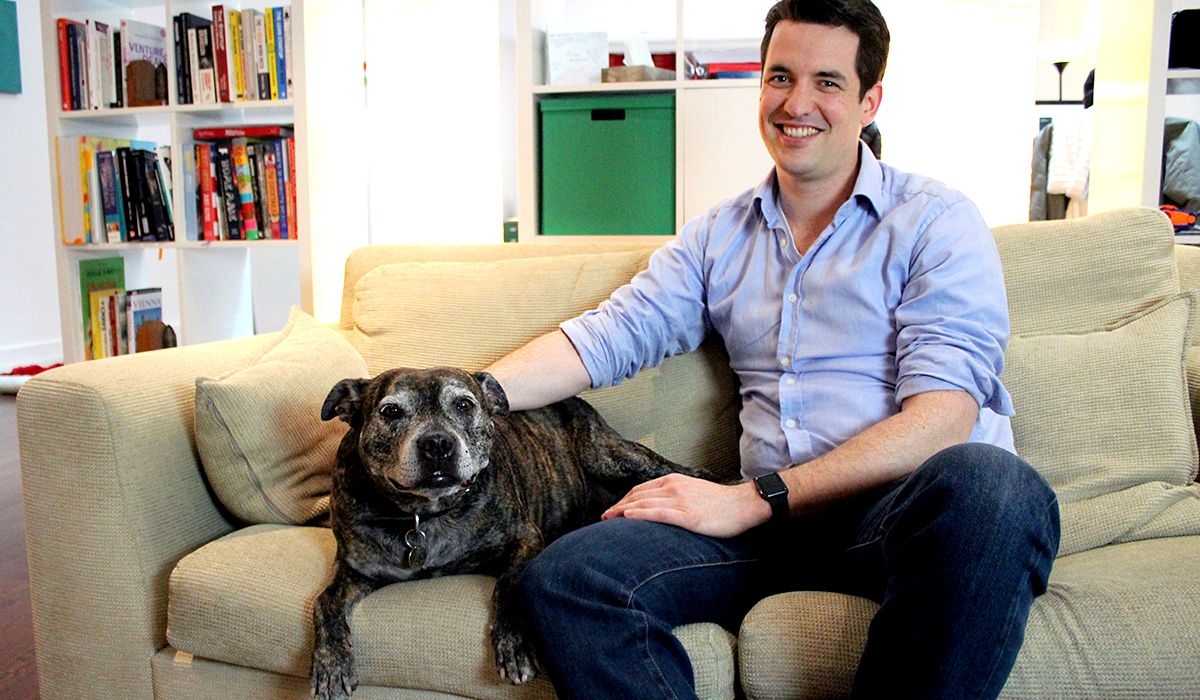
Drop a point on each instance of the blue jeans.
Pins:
(955, 555)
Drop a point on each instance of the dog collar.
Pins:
(414, 540)
(414, 545)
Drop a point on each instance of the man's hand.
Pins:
(703, 507)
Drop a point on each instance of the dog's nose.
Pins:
(436, 447)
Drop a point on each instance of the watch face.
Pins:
(770, 486)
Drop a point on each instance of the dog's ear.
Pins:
(344, 400)
(494, 397)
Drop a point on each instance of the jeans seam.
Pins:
(648, 657)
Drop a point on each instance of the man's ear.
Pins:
(494, 397)
(344, 400)
(870, 104)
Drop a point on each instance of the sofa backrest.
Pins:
(466, 306)
(469, 305)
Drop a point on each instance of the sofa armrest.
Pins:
(114, 497)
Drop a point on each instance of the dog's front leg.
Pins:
(333, 673)
(514, 655)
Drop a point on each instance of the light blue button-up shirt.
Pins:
(903, 293)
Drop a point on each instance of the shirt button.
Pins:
(790, 380)
(791, 423)
(785, 361)
(793, 298)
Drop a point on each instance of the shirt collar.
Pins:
(868, 188)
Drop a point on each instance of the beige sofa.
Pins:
(166, 559)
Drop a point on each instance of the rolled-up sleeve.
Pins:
(952, 321)
(658, 314)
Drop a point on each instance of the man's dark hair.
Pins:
(859, 16)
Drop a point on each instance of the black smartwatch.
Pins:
(774, 491)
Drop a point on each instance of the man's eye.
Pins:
(391, 411)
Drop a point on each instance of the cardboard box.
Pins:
(576, 59)
(634, 74)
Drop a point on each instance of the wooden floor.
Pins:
(18, 674)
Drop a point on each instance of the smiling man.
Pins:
(863, 310)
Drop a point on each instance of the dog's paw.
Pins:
(514, 657)
(333, 675)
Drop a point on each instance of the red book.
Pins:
(207, 187)
(220, 32)
(246, 131)
(64, 61)
(293, 229)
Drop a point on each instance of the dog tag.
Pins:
(414, 554)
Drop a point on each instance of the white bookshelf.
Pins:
(211, 291)
(718, 152)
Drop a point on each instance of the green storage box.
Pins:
(608, 164)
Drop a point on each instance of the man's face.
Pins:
(810, 114)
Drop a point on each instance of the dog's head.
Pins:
(421, 434)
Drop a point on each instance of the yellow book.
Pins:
(269, 20)
(239, 68)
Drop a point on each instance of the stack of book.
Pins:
(233, 55)
(226, 55)
(102, 66)
(113, 190)
(117, 321)
(245, 182)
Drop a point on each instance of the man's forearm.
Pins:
(885, 452)
(545, 370)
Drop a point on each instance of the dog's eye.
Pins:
(464, 405)
(391, 411)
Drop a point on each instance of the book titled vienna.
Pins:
(143, 63)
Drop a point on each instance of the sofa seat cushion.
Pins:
(246, 599)
(1108, 626)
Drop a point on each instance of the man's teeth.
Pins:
(799, 131)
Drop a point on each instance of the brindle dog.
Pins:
(437, 477)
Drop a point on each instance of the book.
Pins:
(249, 54)
(205, 190)
(245, 188)
(204, 77)
(272, 66)
(227, 187)
(237, 50)
(183, 78)
(143, 63)
(262, 75)
(66, 48)
(143, 319)
(222, 31)
(110, 197)
(97, 274)
(280, 57)
(214, 133)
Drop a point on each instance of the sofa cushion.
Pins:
(1104, 417)
(247, 599)
(264, 448)
(1108, 626)
(1081, 275)
(468, 314)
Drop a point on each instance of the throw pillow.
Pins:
(1105, 418)
(265, 450)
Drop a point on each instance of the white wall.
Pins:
(433, 110)
(958, 97)
(29, 326)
